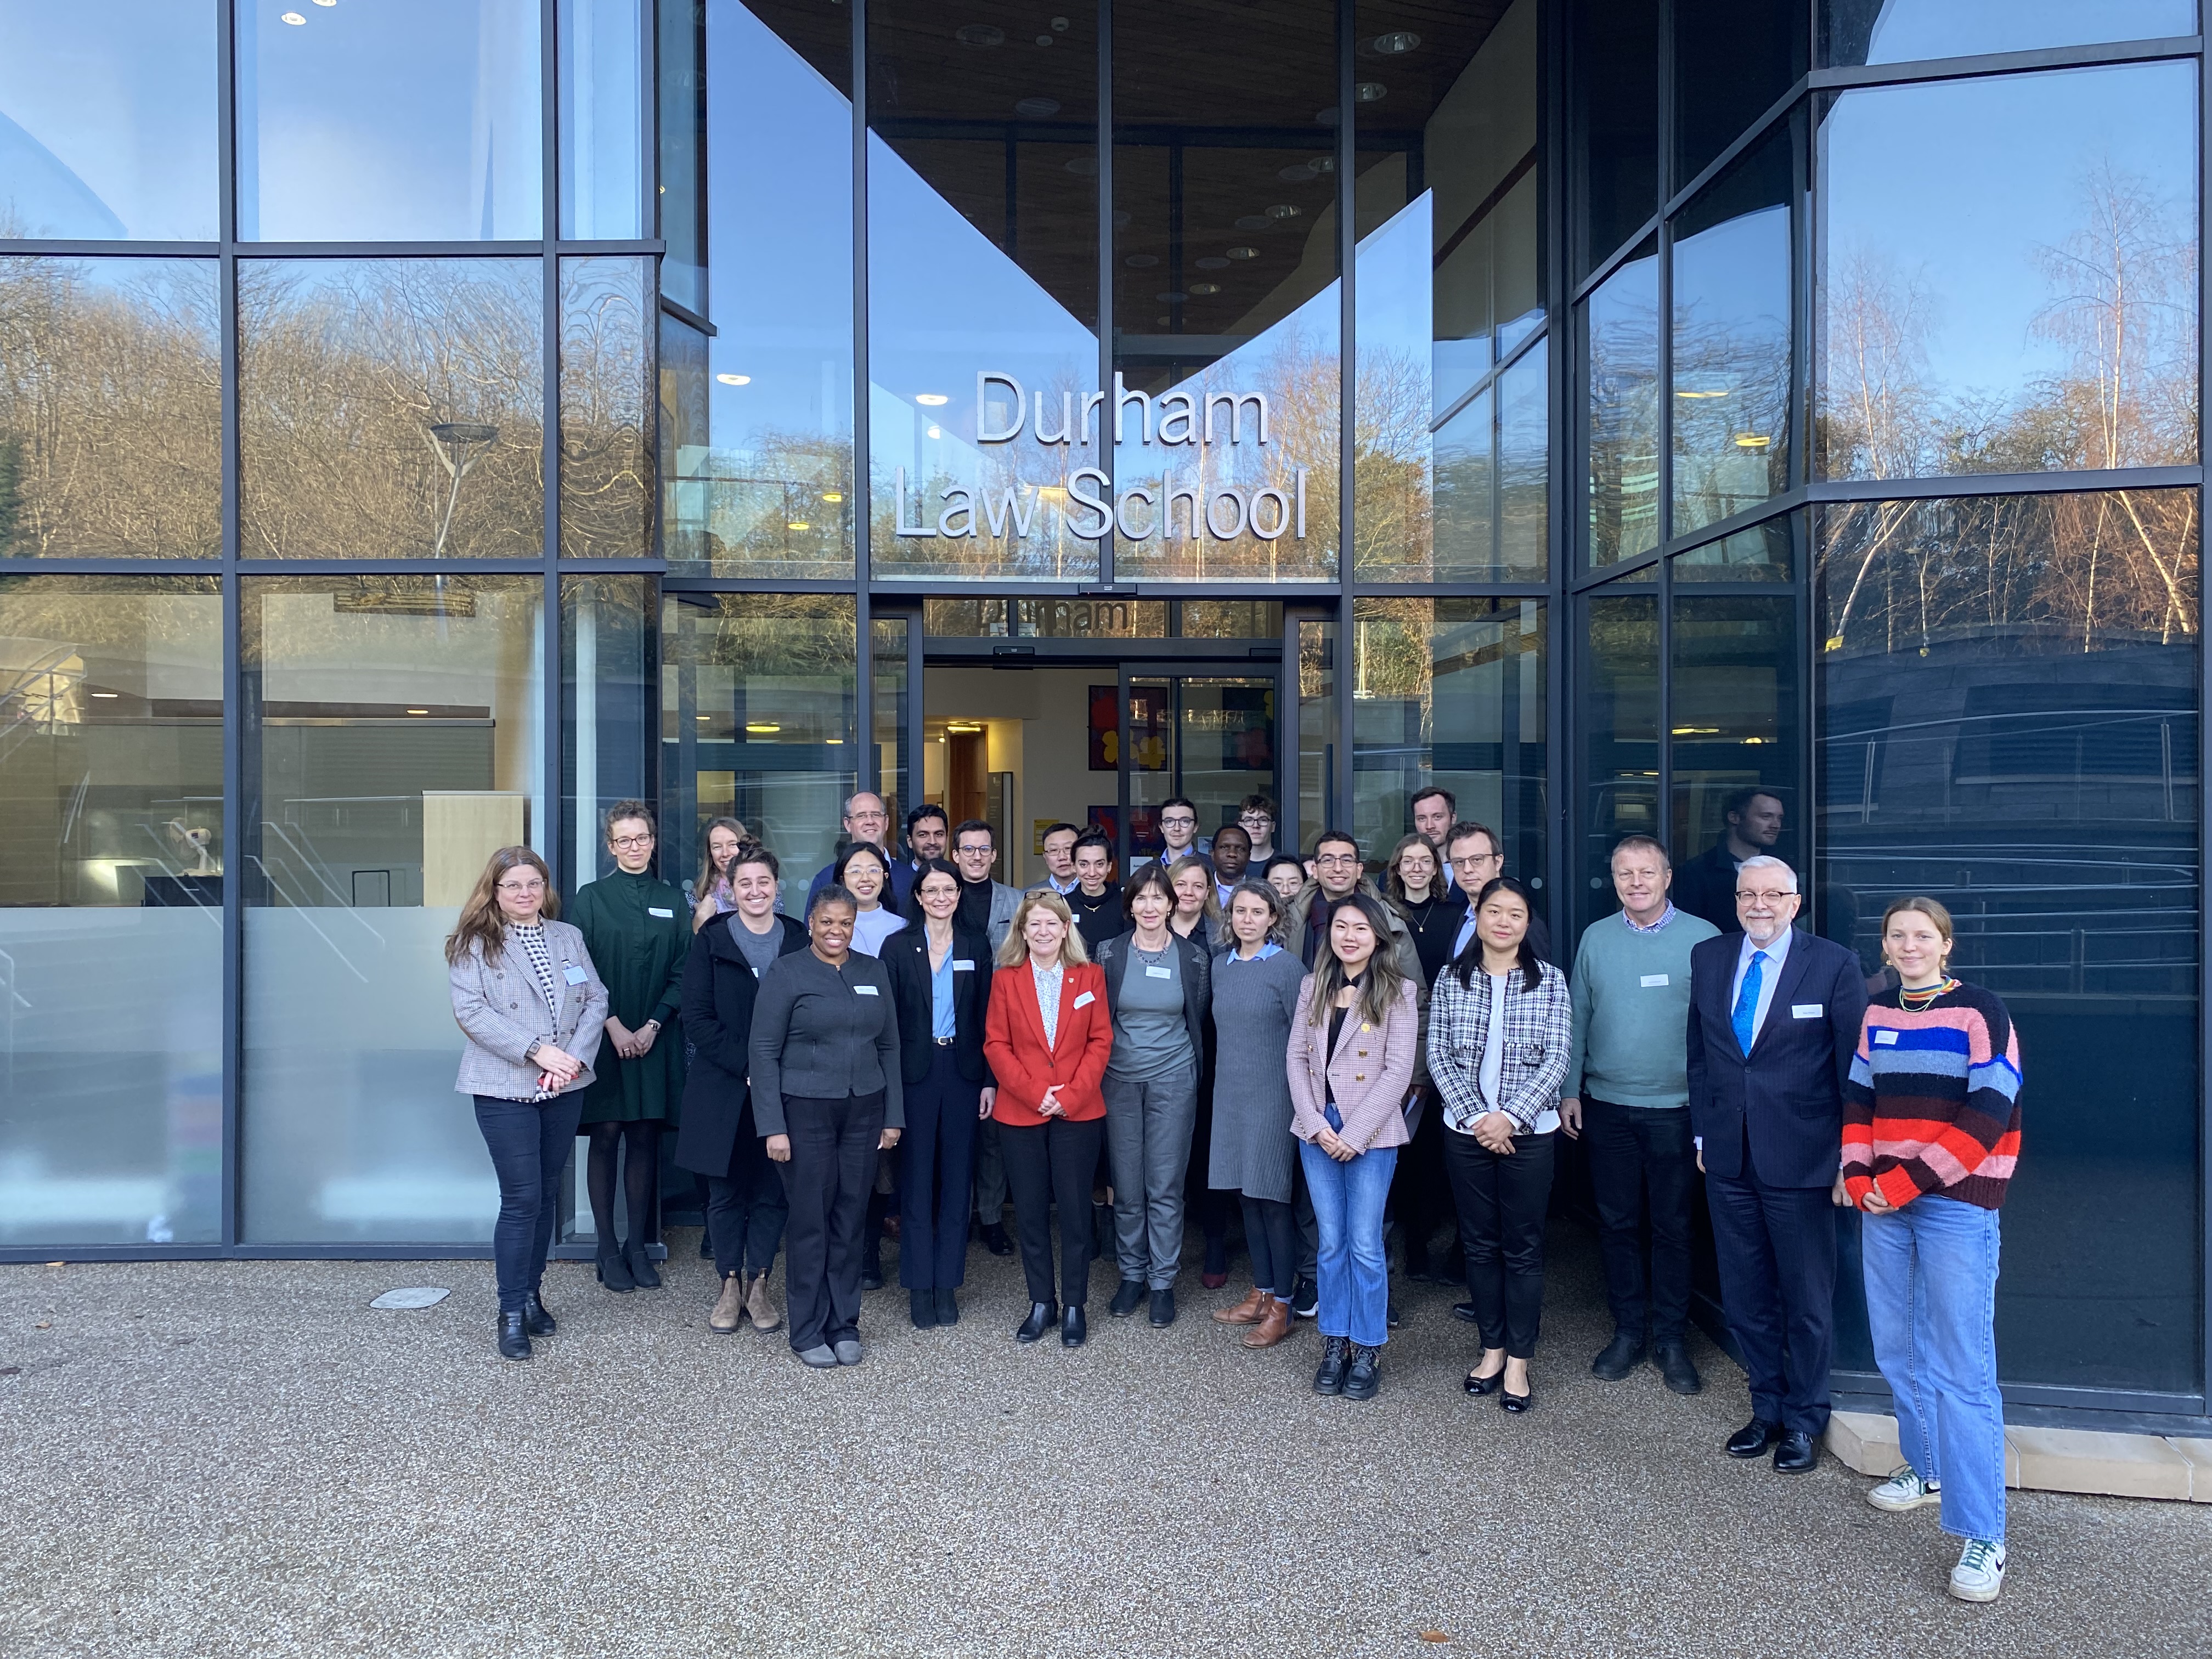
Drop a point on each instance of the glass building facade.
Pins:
(424, 423)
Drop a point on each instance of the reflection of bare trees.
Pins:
(606, 494)
(345, 366)
(110, 408)
(1624, 413)
(1394, 529)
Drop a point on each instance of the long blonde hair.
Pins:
(1016, 951)
(482, 922)
(1378, 993)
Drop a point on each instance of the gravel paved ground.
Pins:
(245, 1459)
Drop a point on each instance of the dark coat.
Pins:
(906, 959)
(1788, 1094)
(719, 988)
(1705, 887)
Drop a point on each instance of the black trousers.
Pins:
(530, 1142)
(1420, 1192)
(1271, 1232)
(1048, 1163)
(746, 1209)
(1638, 1154)
(1776, 1252)
(936, 1157)
(832, 1168)
(1501, 1201)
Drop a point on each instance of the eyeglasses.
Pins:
(1763, 898)
(533, 885)
(1478, 858)
(1178, 822)
(628, 843)
(968, 847)
(1336, 858)
(1253, 820)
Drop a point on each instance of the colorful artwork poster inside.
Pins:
(1105, 732)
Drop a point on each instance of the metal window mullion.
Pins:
(1343, 811)
(1109, 413)
(549, 660)
(2204, 751)
(860, 497)
(1561, 770)
(235, 842)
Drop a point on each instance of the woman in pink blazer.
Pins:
(1351, 1060)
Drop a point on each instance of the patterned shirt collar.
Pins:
(1665, 916)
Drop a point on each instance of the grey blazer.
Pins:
(499, 1007)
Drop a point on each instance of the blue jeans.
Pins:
(1351, 1271)
(530, 1142)
(1931, 1292)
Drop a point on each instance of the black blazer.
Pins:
(1196, 971)
(1789, 1094)
(906, 959)
(719, 988)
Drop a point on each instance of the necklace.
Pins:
(1152, 957)
(1926, 995)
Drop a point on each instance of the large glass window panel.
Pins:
(1900, 31)
(110, 409)
(602, 169)
(1524, 468)
(1731, 362)
(606, 389)
(680, 131)
(1617, 721)
(1225, 270)
(1732, 724)
(887, 665)
(392, 408)
(111, 910)
(758, 419)
(1731, 63)
(2006, 705)
(1451, 692)
(1620, 331)
(982, 255)
(395, 733)
(2030, 303)
(609, 629)
(1760, 554)
(1614, 123)
(405, 120)
(1318, 732)
(759, 722)
(107, 120)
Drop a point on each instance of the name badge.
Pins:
(655, 911)
(1884, 1039)
(864, 990)
(1806, 1011)
(577, 976)
(1157, 973)
(964, 965)
(1650, 979)
(1083, 1000)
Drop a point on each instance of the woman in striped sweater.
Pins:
(1931, 1132)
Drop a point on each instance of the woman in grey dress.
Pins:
(1255, 996)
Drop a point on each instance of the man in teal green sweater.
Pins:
(1628, 1090)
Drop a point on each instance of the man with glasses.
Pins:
(986, 905)
(1178, 835)
(1059, 844)
(1257, 814)
(867, 818)
(1774, 1024)
(1476, 857)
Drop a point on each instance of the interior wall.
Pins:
(1035, 724)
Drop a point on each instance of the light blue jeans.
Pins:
(1931, 1292)
(1351, 1274)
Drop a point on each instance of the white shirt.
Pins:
(1770, 976)
(871, 927)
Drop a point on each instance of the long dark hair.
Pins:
(1469, 963)
(1379, 991)
(887, 898)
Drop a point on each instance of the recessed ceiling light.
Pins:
(1205, 288)
(1323, 164)
(418, 711)
(1396, 42)
(1752, 440)
(106, 694)
(1044, 40)
(1284, 211)
(1298, 174)
(1370, 92)
(735, 380)
(762, 725)
(294, 17)
(1243, 253)
(833, 494)
(1059, 24)
(979, 34)
(934, 433)
(931, 400)
(799, 524)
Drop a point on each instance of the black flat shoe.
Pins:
(922, 1305)
(642, 1269)
(1163, 1313)
(1796, 1453)
(1515, 1403)
(1482, 1385)
(1752, 1439)
(1466, 1310)
(1074, 1330)
(1673, 1360)
(1126, 1299)
(535, 1319)
(513, 1336)
(948, 1309)
(613, 1269)
(1042, 1314)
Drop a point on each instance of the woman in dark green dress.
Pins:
(638, 929)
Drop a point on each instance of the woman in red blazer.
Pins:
(1046, 1039)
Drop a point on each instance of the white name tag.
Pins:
(1884, 1039)
(864, 990)
(1157, 973)
(1083, 1000)
(1650, 979)
(964, 965)
(655, 911)
(1806, 1011)
(577, 976)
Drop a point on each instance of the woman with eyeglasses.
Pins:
(526, 997)
(638, 929)
(864, 870)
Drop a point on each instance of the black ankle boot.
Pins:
(535, 1319)
(1365, 1375)
(922, 1306)
(513, 1336)
(613, 1269)
(1042, 1314)
(642, 1271)
(948, 1308)
(1335, 1356)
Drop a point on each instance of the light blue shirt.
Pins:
(1267, 948)
(940, 1001)
(1777, 954)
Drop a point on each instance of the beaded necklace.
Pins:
(1927, 996)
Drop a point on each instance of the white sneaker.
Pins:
(1905, 1491)
(1980, 1572)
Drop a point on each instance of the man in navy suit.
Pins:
(1774, 1020)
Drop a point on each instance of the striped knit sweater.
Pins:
(1933, 1103)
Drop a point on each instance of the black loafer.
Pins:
(1618, 1357)
(1796, 1453)
(513, 1336)
(1126, 1299)
(1752, 1439)
(1673, 1360)
(995, 1240)
(1042, 1314)
(535, 1319)
(1163, 1313)
(1074, 1328)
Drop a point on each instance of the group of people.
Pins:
(1225, 1027)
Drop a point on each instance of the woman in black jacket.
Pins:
(745, 1203)
(940, 974)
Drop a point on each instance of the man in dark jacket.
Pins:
(1706, 886)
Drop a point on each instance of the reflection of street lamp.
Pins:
(467, 440)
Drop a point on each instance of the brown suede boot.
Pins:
(1274, 1325)
(1247, 1312)
(729, 1307)
(759, 1309)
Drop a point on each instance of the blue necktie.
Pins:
(1747, 1003)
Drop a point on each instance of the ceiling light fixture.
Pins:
(106, 694)
(799, 524)
(931, 400)
(1398, 41)
(833, 494)
(735, 380)
(762, 725)
(1141, 261)
(1212, 261)
(1253, 221)
(1752, 440)
(1284, 211)
(294, 18)
(979, 34)
(935, 433)
(1243, 253)
(1205, 288)
(418, 711)
(1370, 92)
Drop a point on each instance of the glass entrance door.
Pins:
(1206, 734)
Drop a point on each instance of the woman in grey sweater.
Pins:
(1255, 997)
(826, 1099)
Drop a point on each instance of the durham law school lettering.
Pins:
(1139, 512)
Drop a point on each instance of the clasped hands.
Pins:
(632, 1045)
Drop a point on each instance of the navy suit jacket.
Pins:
(1789, 1093)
